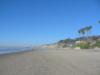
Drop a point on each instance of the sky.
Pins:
(35, 22)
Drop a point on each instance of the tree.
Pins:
(82, 32)
(99, 22)
(87, 30)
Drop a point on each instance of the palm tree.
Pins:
(99, 22)
(87, 29)
(82, 32)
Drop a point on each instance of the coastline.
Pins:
(15, 53)
(6, 51)
(51, 62)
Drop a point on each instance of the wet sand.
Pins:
(51, 62)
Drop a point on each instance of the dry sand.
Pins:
(51, 62)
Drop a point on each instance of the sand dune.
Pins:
(51, 62)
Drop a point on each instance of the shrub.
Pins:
(85, 45)
(97, 44)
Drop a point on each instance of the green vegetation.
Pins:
(97, 44)
(66, 40)
(84, 30)
(84, 45)
(85, 41)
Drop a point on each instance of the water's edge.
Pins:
(4, 51)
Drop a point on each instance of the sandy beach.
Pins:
(51, 62)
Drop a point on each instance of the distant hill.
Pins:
(94, 41)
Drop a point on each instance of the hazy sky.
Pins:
(32, 22)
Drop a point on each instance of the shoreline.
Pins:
(51, 62)
(44, 49)
(52, 49)
(17, 52)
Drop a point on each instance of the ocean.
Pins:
(13, 50)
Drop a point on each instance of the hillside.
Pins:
(85, 42)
